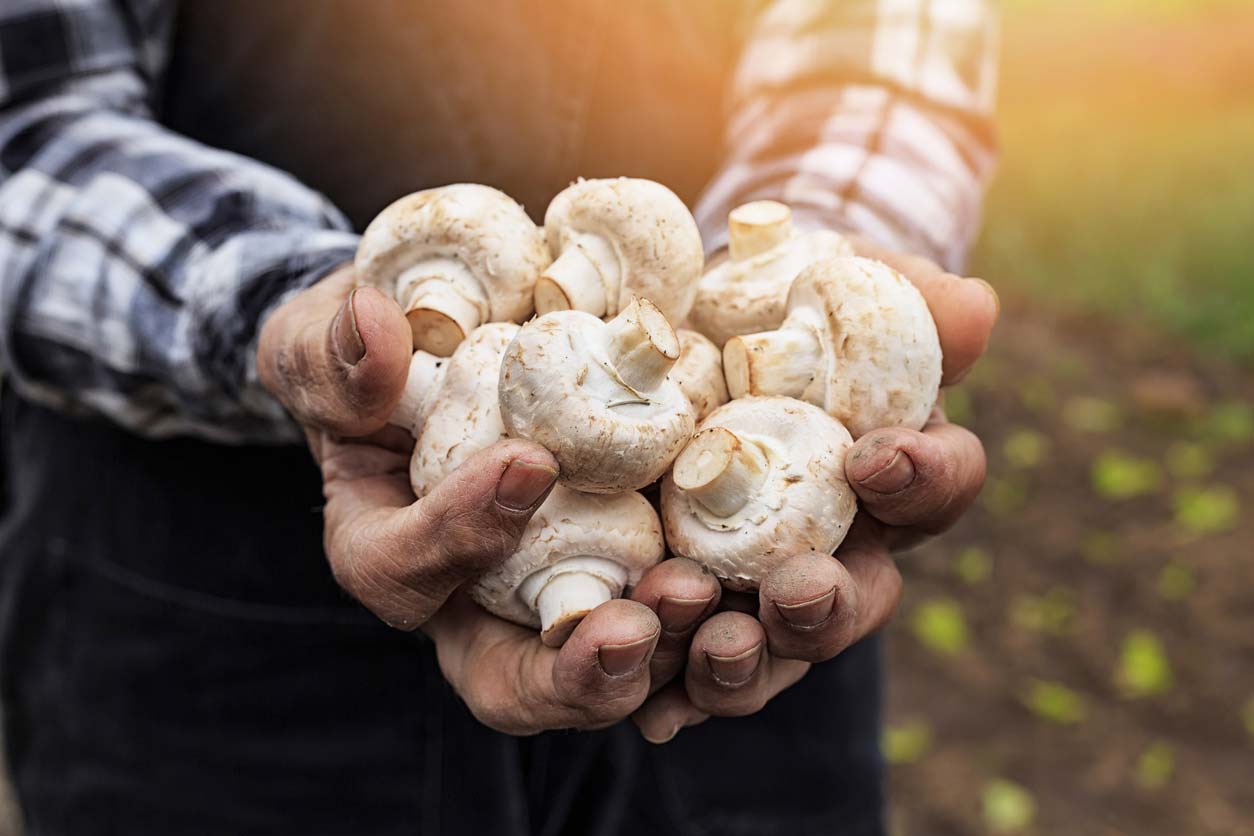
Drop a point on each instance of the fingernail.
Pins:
(523, 484)
(894, 476)
(348, 342)
(622, 659)
(667, 738)
(809, 614)
(678, 615)
(735, 670)
(991, 292)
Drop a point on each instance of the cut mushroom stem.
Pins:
(720, 470)
(443, 303)
(562, 594)
(783, 362)
(757, 227)
(642, 346)
(579, 278)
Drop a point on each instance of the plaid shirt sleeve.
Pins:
(868, 116)
(135, 264)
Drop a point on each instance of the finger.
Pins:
(814, 607)
(403, 560)
(683, 593)
(920, 480)
(336, 356)
(665, 713)
(965, 310)
(513, 683)
(730, 671)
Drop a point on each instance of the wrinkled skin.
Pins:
(679, 650)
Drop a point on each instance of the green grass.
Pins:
(1127, 183)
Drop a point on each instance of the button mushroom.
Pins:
(747, 292)
(615, 239)
(454, 258)
(858, 341)
(763, 480)
(426, 373)
(597, 395)
(699, 372)
(579, 551)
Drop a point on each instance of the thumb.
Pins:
(336, 356)
(404, 562)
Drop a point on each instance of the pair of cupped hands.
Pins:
(679, 649)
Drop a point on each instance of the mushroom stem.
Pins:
(563, 593)
(426, 374)
(641, 346)
(720, 470)
(783, 362)
(443, 303)
(757, 227)
(580, 278)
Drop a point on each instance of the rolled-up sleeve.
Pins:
(870, 116)
(136, 265)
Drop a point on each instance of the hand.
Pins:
(810, 608)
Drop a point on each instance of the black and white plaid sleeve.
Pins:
(872, 116)
(135, 264)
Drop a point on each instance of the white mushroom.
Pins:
(747, 292)
(597, 395)
(464, 416)
(453, 257)
(858, 341)
(763, 480)
(579, 551)
(699, 372)
(615, 239)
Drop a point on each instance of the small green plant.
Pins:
(1187, 460)
(973, 565)
(1176, 581)
(906, 743)
(1055, 702)
(1144, 669)
(1117, 475)
(1025, 448)
(1008, 807)
(939, 625)
(1210, 510)
(1156, 765)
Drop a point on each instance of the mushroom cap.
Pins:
(622, 528)
(878, 337)
(650, 230)
(558, 388)
(483, 228)
(699, 372)
(805, 504)
(749, 295)
(465, 414)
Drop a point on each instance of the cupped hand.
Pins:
(910, 485)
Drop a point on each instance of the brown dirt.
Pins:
(1047, 527)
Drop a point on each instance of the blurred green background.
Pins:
(1077, 656)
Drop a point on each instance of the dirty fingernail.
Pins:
(809, 614)
(348, 342)
(678, 615)
(523, 484)
(735, 670)
(894, 476)
(622, 659)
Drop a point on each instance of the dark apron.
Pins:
(175, 657)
